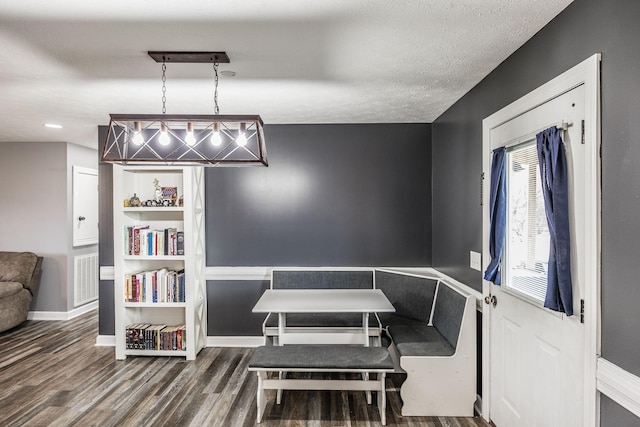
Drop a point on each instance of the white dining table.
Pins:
(286, 301)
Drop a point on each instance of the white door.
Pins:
(536, 354)
(85, 206)
(538, 365)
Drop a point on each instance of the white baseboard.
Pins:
(62, 315)
(106, 341)
(221, 341)
(621, 386)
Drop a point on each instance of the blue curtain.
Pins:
(497, 215)
(553, 179)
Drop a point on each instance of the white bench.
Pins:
(321, 358)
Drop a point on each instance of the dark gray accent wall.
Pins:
(229, 305)
(106, 317)
(333, 195)
(584, 28)
(457, 213)
(614, 415)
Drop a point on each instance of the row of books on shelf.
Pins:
(161, 285)
(142, 240)
(144, 336)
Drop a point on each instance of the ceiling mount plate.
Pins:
(190, 57)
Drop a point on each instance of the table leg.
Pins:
(282, 326)
(365, 334)
(365, 328)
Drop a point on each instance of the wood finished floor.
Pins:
(52, 374)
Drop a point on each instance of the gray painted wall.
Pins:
(36, 213)
(229, 305)
(37, 173)
(333, 195)
(584, 28)
(615, 415)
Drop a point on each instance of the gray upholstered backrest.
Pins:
(18, 267)
(322, 279)
(448, 313)
(411, 296)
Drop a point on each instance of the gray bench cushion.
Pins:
(321, 279)
(411, 296)
(448, 313)
(322, 320)
(326, 357)
(392, 319)
(420, 340)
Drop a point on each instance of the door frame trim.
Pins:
(586, 73)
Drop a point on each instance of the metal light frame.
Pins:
(135, 139)
(182, 139)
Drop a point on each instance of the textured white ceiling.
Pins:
(306, 61)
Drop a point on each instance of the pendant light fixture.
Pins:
(183, 139)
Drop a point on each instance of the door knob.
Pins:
(81, 218)
(490, 299)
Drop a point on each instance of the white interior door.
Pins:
(85, 206)
(537, 355)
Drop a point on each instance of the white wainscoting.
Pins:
(621, 386)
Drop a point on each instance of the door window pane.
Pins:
(527, 238)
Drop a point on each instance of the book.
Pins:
(148, 286)
(136, 238)
(180, 243)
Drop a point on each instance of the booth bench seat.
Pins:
(420, 340)
(436, 348)
(431, 335)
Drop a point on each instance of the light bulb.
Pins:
(216, 138)
(164, 135)
(137, 133)
(190, 138)
(137, 138)
(241, 140)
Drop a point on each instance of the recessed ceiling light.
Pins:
(228, 73)
(53, 126)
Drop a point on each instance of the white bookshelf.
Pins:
(189, 218)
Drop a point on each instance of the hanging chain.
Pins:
(164, 87)
(216, 109)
